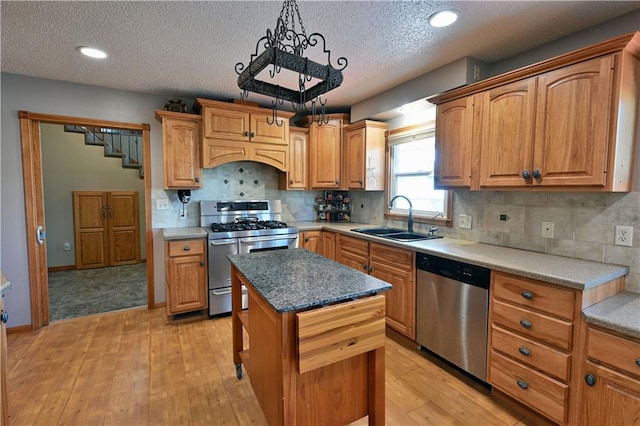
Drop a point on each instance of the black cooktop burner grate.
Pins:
(247, 225)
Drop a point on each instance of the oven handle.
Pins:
(273, 238)
(224, 242)
(226, 291)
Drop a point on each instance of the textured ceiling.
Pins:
(189, 49)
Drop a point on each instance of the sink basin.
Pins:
(410, 236)
(378, 231)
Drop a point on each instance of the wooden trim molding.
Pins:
(19, 329)
(34, 204)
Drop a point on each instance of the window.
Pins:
(411, 164)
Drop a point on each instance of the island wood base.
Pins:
(316, 367)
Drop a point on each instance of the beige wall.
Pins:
(70, 165)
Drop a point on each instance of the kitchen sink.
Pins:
(378, 231)
(396, 234)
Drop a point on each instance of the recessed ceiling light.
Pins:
(443, 18)
(92, 53)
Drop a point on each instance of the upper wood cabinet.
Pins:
(297, 177)
(236, 132)
(565, 123)
(181, 149)
(325, 152)
(364, 155)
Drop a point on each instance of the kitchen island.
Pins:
(317, 333)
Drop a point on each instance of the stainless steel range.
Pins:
(240, 227)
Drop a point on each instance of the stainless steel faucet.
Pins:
(410, 221)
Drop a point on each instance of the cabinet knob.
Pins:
(364, 266)
(360, 182)
(186, 248)
(525, 174)
(252, 134)
(590, 379)
(525, 323)
(523, 384)
(201, 263)
(638, 362)
(306, 240)
(246, 133)
(370, 269)
(198, 180)
(290, 181)
(4, 316)
(537, 174)
(524, 351)
(527, 295)
(337, 182)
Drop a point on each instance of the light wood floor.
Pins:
(131, 368)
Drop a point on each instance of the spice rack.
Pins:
(334, 206)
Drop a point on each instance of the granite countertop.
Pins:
(5, 284)
(183, 233)
(620, 313)
(296, 279)
(563, 271)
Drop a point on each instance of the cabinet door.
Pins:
(354, 260)
(181, 153)
(574, 108)
(401, 299)
(4, 395)
(297, 176)
(262, 132)
(186, 284)
(354, 150)
(454, 132)
(325, 144)
(507, 134)
(226, 124)
(124, 230)
(614, 399)
(310, 240)
(328, 244)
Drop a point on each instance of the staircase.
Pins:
(117, 143)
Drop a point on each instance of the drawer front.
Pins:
(553, 331)
(186, 247)
(399, 258)
(542, 357)
(532, 294)
(353, 245)
(615, 351)
(530, 387)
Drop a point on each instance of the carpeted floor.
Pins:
(84, 292)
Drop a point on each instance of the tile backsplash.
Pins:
(584, 223)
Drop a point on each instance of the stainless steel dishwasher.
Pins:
(452, 307)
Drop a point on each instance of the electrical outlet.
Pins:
(464, 221)
(624, 236)
(547, 229)
(67, 246)
(162, 204)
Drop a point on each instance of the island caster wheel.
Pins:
(239, 371)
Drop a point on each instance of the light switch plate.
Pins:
(162, 204)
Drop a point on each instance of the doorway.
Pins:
(30, 127)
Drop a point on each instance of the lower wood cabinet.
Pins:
(310, 240)
(328, 244)
(611, 385)
(393, 265)
(186, 275)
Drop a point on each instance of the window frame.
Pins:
(417, 218)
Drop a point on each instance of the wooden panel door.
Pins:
(298, 174)
(354, 150)
(401, 299)
(263, 132)
(90, 229)
(328, 244)
(325, 144)
(226, 124)
(310, 240)
(507, 134)
(187, 276)
(123, 231)
(454, 136)
(614, 399)
(181, 150)
(574, 106)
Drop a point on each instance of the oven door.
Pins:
(219, 268)
(272, 242)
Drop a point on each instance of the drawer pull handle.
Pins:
(638, 362)
(527, 295)
(186, 248)
(524, 351)
(522, 384)
(525, 323)
(590, 379)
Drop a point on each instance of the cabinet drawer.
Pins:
(353, 245)
(549, 360)
(616, 351)
(535, 295)
(533, 389)
(550, 330)
(399, 258)
(186, 247)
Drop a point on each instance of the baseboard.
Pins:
(159, 305)
(61, 268)
(19, 329)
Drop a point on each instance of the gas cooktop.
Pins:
(247, 225)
